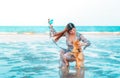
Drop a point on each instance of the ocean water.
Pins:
(38, 57)
(41, 29)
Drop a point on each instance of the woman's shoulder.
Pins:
(78, 33)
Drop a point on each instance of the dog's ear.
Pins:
(77, 41)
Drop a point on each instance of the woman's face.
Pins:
(73, 31)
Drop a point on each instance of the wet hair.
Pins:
(70, 26)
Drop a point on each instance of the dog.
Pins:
(77, 54)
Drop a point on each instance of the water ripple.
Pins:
(37, 59)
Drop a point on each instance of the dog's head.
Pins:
(77, 44)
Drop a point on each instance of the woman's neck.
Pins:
(72, 37)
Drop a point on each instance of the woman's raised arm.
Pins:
(55, 34)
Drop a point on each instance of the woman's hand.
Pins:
(83, 44)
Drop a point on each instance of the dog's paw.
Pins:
(77, 67)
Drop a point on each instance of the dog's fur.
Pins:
(78, 54)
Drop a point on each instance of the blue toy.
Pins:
(50, 21)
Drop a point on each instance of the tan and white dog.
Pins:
(77, 53)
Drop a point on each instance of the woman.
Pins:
(70, 33)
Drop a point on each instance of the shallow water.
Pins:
(40, 59)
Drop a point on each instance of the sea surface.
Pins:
(27, 57)
(44, 29)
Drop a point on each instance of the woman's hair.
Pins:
(69, 27)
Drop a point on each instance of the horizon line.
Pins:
(56, 25)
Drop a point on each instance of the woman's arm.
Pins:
(86, 42)
(52, 31)
(55, 34)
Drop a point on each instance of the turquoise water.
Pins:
(40, 59)
(41, 29)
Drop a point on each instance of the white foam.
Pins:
(23, 38)
(91, 54)
(100, 50)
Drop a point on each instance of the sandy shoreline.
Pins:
(84, 33)
(31, 37)
(101, 33)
